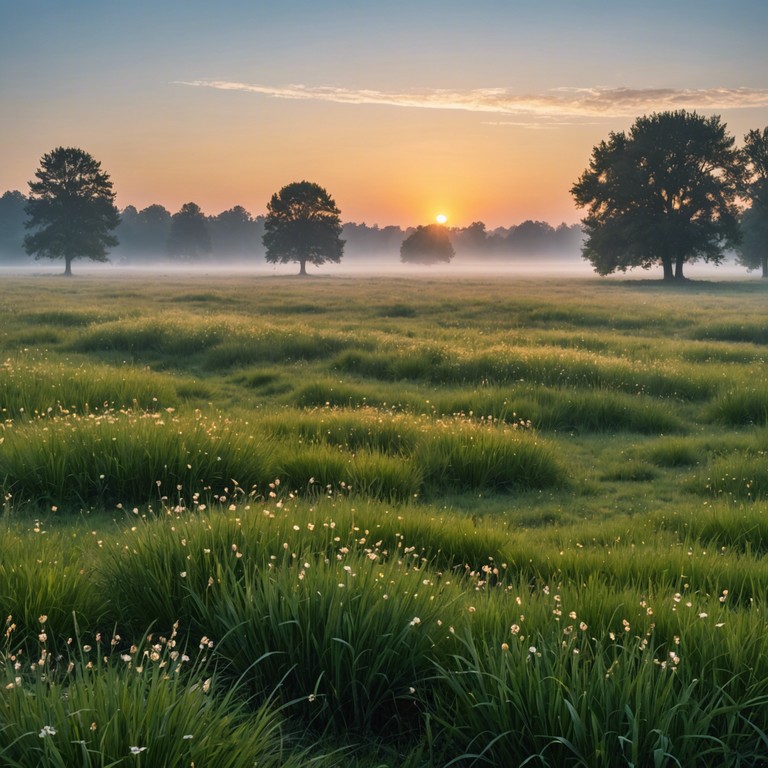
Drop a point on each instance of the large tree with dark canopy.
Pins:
(302, 225)
(71, 208)
(427, 245)
(753, 252)
(664, 193)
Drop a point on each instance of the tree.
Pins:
(234, 233)
(365, 241)
(427, 245)
(144, 234)
(189, 236)
(12, 205)
(531, 238)
(473, 240)
(72, 208)
(665, 193)
(753, 252)
(302, 225)
(756, 157)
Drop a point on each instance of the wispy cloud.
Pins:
(542, 123)
(557, 103)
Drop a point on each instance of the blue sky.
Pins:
(486, 110)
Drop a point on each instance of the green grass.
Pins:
(147, 704)
(578, 700)
(139, 336)
(41, 573)
(748, 330)
(671, 452)
(510, 364)
(128, 457)
(32, 388)
(744, 406)
(324, 522)
(739, 478)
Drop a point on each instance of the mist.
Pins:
(463, 266)
(155, 241)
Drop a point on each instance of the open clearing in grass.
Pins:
(383, 522)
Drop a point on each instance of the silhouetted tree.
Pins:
(189, 236)
(753, 253)
(427, 245)
(371, 241)
(71, 206)
(568, 238)
(302, 225)
(12, 216)
(756, 157)
(127, 230)
(144, 234)
(234, 232)
(473, 240)
(531, 237)
(665, 193)
(538, 238)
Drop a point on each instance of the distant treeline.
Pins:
(154, 233)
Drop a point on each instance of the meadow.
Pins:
(383, 522)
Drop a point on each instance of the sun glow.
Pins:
(441, 218)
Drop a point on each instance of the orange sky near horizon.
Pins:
(383, 165)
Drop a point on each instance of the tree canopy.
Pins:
(756, 156)
(235, 233)
(189, 237)
(12, 205)
(303, 225)
(427, 245)
(144, 234)
(753, 252)
(664, 193)
(71, 209)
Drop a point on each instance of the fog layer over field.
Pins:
(462, 266)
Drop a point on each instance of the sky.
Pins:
(480, 110)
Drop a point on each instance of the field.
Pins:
(383, 522)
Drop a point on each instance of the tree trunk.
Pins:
(667, 264)
(67, 266)
(765, 265)
(303, 270)
(679, 268)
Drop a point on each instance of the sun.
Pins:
(441, 218)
